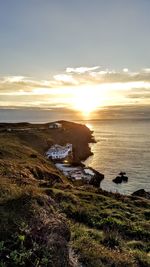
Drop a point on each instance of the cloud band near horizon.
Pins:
(112, 87)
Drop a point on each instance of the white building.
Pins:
(55, 125)
(59, 152)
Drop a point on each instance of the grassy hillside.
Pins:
(107, 229)
(32, 232)
(46, 221)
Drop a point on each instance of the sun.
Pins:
(86, 100)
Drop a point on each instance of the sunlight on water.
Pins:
(90, 126)
(122, 146)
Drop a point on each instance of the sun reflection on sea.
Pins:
(89, 126)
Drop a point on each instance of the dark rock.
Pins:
(125, 179)
(122, 173)
(118, 180)
(77, 164)
(141, 193)
(121, 178)
(96, 179)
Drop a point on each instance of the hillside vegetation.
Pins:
(107, 229)
(47, 221)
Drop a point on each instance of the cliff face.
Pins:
(78, 135)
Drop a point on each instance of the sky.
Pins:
(56, 54)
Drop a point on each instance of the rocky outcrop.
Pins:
(141, 193)
(78, 135)
(96, 179)
(121, 178)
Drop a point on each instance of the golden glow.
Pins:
(87, 99)
(89, 126)
(82, 89)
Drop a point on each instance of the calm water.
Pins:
(122, 146)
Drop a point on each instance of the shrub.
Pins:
(112, 224)
(112, 240)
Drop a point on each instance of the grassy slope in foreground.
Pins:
(39, 207)
(107, 229)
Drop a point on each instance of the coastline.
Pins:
(36, 134)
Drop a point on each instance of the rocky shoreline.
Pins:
(80, 174)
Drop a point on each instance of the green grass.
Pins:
(31, 229)
(107, 229)
(32, 232)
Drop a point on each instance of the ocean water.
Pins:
(122, 145)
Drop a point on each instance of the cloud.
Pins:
(81, 70)
(141, 93)
(14, 79)
(65, 79)
(125, 70)
(95, 75)
(118, 86)
(76, 77)
(15, 84)
(146, 70)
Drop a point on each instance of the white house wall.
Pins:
(59, 152)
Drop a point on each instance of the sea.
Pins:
(121, 145)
